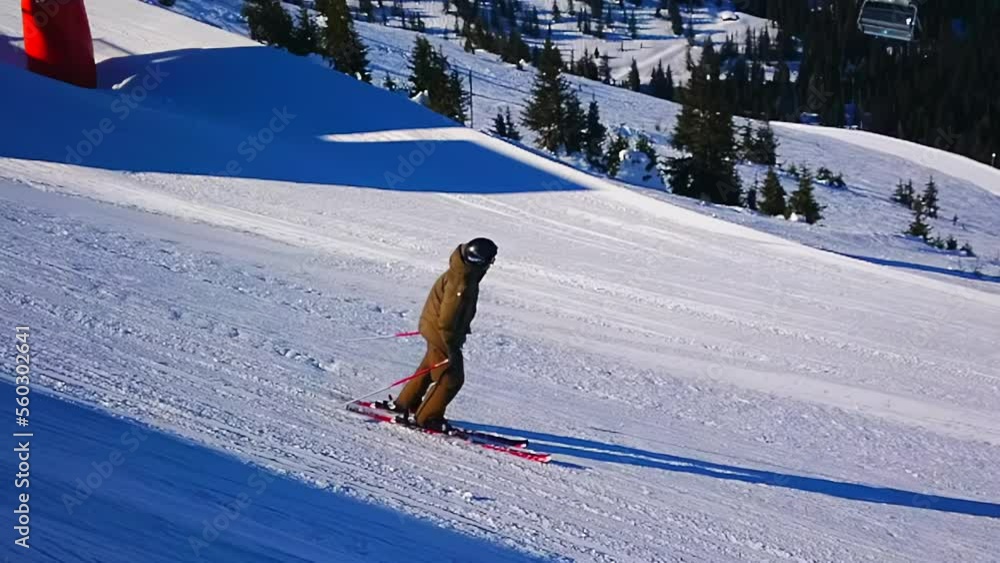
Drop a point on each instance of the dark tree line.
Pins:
(940, 90)
(338, 42)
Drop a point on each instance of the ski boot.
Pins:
(390, 405)
(439, 425)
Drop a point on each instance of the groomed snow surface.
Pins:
(709, 391)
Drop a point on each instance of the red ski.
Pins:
(499, 439)
(366, 408)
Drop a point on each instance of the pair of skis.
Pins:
(517, 447)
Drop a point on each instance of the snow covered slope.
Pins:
(170, 501)
(860, 221)
(711, 392)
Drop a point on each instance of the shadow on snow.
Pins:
(922, 267)
(249, 112)
(591, 450)
(105, 489)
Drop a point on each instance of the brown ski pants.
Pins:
(429, 394)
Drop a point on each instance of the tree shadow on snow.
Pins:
(583, 449)
(922, 268)
(253, 112)
(112, 491)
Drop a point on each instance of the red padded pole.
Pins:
(57, 41)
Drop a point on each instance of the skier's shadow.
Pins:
(579, 448)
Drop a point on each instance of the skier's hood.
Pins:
(470, 272)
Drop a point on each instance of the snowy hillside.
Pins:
(709, 391)
(860, 221)
(655, 40)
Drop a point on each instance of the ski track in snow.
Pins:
(711, 392)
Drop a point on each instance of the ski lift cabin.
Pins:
(889, 19)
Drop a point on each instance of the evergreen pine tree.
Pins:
(668, 81)
(633, 26)
(425, 68)
(574, 124)
(499, 126)
(751, 199)
(661, 83)
(930, 199)
(305, 36)
(905, 194)
(704, 131)
(605, 69)
(344, 48)
(613, 160)
(763, 147)
(900, 196)
(773, 194)
(654, 78)
(268, 22)
(429, 72)
(746, 141)
(645, 146)
(512, 132)
(634, 82)
(367, 8)
(556, 15)
(803, 201)
(456, 99)
(545, 114)
(676, 20)
(595, 134)
(918, 227)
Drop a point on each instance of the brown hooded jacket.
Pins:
(451, 305)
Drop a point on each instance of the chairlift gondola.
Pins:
(889, 19)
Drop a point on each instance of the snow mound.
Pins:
(637, 169)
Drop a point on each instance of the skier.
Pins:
(444, 324)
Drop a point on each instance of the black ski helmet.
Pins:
(479, 251)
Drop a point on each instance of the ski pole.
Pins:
(384, 337)
(401, 381)
(397, 335)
